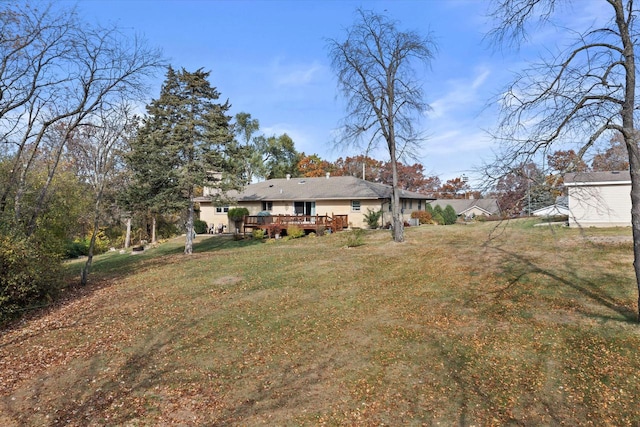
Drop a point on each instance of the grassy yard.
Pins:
(483, 324)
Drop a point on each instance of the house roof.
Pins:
(555, 209)
(461, 206)
(331, 188)
(595, 178)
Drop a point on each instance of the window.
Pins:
(355, 206)
(404, 203)
(419, 205)
(267, 206)
(221, 209)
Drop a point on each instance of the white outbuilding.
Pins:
(599, 199)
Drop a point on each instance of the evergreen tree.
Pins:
(449, 215)
(185, 143)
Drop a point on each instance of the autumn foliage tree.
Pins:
(312, 166)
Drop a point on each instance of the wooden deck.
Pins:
(315, 223)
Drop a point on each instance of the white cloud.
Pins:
(284, 74)
(461, 94)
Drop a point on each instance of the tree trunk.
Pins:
(188, 245)
(635, 220)
(631, 136)
(127, 239)
(153, 228)
(96, 224)
(398, 224)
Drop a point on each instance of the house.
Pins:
(329, 196)
(469, 208)
(559, 208)
(599, 199)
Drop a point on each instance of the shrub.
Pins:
(449, 215)
(258, 233)
(237, 214)
(29, 275)
(429, 209)
(294, 232)
(200, 227)
(273, 229)
(437, 210)
(438, 219)
(372, 218)
(424, 217)
(355, 238)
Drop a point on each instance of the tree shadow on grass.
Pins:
(518, 266)
(118, 265)
(96, 391)
(113, 266)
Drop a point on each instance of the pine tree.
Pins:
(185, 143)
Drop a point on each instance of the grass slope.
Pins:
(465, 325)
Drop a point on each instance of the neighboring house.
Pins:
(599, 199)
(339, 195)
(559, 208)
(469, 208)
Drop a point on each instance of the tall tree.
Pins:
(410, 177)
(454, 188)
(245, 127)
(279, 156)
(97, 150)
(55, 72)
(360, 166)
(313, 166)
(614, 158)
(376, 68)
(583, 92)
(513, 190)
(185, 143)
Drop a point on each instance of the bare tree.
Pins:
(97, 149)
(584, 92)
(376, 68)
(55, 72)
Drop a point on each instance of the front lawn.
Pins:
(482, 324)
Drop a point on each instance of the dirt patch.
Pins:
(227, 280)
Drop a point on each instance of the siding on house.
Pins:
(330, 196)
(599, 199)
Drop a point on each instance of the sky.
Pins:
(269, 58)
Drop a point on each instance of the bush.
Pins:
(200, 227)
(437, 210)
(76, 248)
(438, 219)
(258, 233)
(449, 215)
(237, 214)
(424, 217)
(294, 232)
(29, 276)
(429, 209)
(372, 218)
(355, 238)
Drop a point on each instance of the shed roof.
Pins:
(593, 178)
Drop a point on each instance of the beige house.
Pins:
(599, 199)
(469, 208)
(340, 195)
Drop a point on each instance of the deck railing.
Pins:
(306, 222)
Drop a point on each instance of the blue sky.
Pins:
(269, 58)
